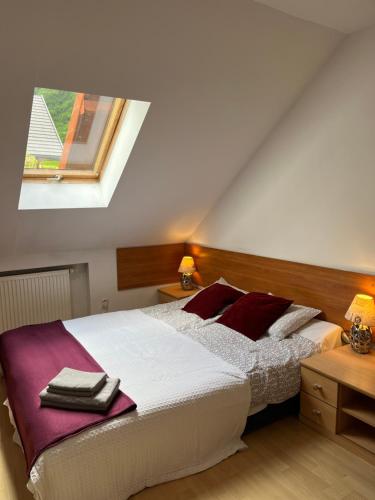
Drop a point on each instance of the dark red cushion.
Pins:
(210, 301)
(254, 313)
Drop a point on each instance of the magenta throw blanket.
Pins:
(30, 357)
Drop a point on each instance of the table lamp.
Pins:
(362, 314)
(187, 268)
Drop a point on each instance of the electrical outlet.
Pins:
(105, 305)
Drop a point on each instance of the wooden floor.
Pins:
(285, 460)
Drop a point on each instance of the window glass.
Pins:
(70, 133)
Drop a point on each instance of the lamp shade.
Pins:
(187, 265)
(364, 307)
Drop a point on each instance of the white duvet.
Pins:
(192, 409)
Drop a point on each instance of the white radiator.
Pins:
(34, 298)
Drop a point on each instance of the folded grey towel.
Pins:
(77, 382)
(100, 402)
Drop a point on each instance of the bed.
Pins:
(194, 381)
(272, 367)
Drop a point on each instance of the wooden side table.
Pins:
(338, 398)
(173, 292)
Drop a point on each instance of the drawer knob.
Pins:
(317, 387)
(316, 412)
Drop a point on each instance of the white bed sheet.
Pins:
(192, 409)
(324, 334)
(273, 366)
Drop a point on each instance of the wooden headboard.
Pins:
(150, 265)
(330, 290)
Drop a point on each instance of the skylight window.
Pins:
(77, 148)
(70, 134)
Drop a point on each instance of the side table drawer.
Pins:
(318, 412)
(319, 386)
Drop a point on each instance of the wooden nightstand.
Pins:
(338, 398)
(173, 292)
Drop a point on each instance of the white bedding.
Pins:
(272, 365)
(325, 335)
(192, 409)
(192, 404)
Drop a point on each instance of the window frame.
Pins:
(110, 133)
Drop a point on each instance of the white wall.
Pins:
(219, 75)
(343, 15)
(80, 290)
(307, 195)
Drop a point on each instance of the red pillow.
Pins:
(254, 313)
(210, 301)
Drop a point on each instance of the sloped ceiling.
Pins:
(346, 16)
(296, 199)
(219, 75)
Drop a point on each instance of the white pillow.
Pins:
(295, 317)
(325, 335)
(223, 281)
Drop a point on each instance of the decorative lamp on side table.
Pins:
(187, 268)
(362, 314)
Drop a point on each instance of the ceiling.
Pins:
(346, 16)
(219, 76)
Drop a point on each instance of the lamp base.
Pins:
(360, 338)
(187, 281)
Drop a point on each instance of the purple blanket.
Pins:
(30, 357)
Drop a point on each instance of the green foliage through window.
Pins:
(32, 162)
